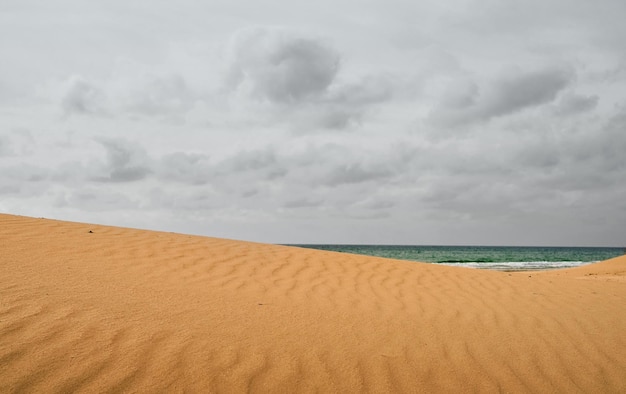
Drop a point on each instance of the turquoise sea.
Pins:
(507, 258)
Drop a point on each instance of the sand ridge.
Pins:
(126, 310)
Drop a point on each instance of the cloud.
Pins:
(190, 168)
(182, 200)
(350, 173)
(142, 91)
(126, 162)
(465, 101)
(248, 161)
(280, 65)
(95, 199)
(5, 146)
(257, 187)
(9, 189)
(519, 90)
(605, 148)
(344, 105)
(82, 97)
(278, 134)
(132, 89)
(571, 104)
(25, 172)
(302, 203)
(289, 77)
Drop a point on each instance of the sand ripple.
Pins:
(124, 310)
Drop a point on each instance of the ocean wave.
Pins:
(518, 265)
(466, 261)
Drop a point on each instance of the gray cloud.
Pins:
(9, 189)
(280, 66)
(126, 162)
(344, 105)
(369, 89)
(191, 168)
(295, 78)
(467, 102)
(354, 173)
(251, 169)
(185, 200)
(368, 124)
(5, 146)
(81, 97)
(572, 103)
(303, 203)
(133, 90)
(25, 172)
(151, 94)
(92, 199)
(377, 203)
(522, 90)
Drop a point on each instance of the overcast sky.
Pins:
(433, 122)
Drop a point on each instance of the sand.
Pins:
(90, 308)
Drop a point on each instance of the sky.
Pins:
(465, 122)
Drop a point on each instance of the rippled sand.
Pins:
(89, 308)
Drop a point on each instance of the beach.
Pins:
(91, 308)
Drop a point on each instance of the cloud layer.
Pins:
(416, 124)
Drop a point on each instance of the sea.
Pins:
(501, 258)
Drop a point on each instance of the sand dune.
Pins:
(123, 310)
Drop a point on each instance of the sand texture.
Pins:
(124, 310)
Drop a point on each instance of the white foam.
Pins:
(522, 265)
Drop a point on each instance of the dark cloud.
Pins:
(303, 203)
(466, 102)
(5, 146)
(249, 193)
(366, 215)
(9, 189)
(26, 172)
(607, 147)
(615, 74)
(295, 79)
(96, 200)
(81, 97)
(191, 168)
(281, 66)
(376, 203)
(182, 200)
(571, 104)
(540, 155)
(367, 90)
(350, 173)
(126, 162)
(344, 105)
(522, 90)
(263, 164)
(328, 117)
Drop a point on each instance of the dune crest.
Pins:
(90, 308)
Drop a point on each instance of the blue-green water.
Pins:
(487, 257)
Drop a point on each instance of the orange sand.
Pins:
(123, 310)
